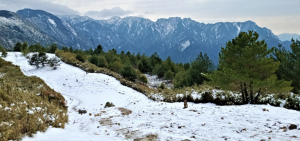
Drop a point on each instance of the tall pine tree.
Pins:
(245, 66)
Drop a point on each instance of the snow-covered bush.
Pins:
(292, 102)
(41, 58)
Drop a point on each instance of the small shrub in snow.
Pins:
(109, 104)
(41, 58)
(82, 111)
(292, 102)
(162, 86)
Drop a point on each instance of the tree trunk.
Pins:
(243, 95)
(246, 93)
(256, 98)
(251, 94)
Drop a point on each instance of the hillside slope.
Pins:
(151, 119)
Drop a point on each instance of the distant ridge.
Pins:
(182, 39)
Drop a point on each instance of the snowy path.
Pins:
(168, 120)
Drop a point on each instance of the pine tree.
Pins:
(65, 49)
(18, 46)
(52, 48)
(24, 49)
(98, 50)
(198, 68)
(244, 66)
(71, 49)
(289, 68)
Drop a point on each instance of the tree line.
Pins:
(245, 64)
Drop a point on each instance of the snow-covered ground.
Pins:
(154, 82)
(167, 120)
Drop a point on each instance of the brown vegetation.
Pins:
(24, 110)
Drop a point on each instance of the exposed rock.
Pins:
(292, 126)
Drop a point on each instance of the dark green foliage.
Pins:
(160, 69)
(24, 46)
(162, 86)
(181, 79)
(169, 75)
(71, 49)
(144, 65)
(66, 49)
(133, 60)
(52, 48)
(102, 62)
(128, 54)
(289, 68)
(80, 57)
(37, 59)
(292, 102)
(24, 49)
(195, 75)
(143, 78)
(116, 65)
(186, 66)
(244, 66)
(36, 48)
(129, 72)
(4, 53)
(200, 66)
(93, 59)
(18, 46)
(154, 59)
(98, 50)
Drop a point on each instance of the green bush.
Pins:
(102, 62)
(80, 57)
(129, 72)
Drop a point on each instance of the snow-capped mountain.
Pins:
(182, 39)
(14, 29)
(53, 26)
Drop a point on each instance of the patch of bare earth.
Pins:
(151, 137)
(125, 111)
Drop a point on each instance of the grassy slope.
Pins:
(22, 111)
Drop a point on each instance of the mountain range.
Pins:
(288, 36)
(181, 38)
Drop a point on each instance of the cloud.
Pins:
(107, 13)
(54, 8)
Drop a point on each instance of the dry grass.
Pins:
(24, 109)
(125, 111)
(151, 137)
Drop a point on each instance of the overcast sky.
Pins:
(281, 16)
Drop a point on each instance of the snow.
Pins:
(238, 27)
(185, 45)
(168, 120)
(155, 82)
(52, 22)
